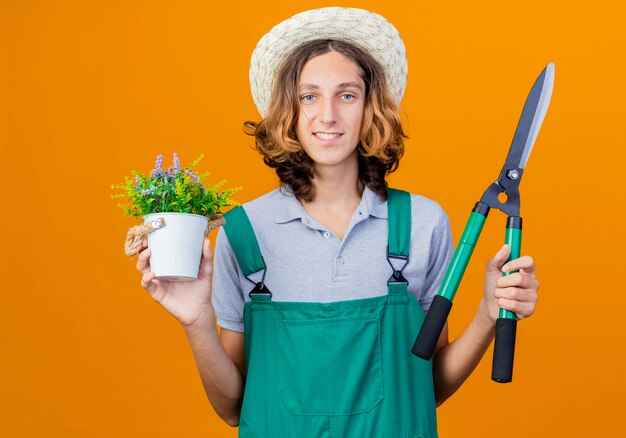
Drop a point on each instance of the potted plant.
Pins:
(178, 212)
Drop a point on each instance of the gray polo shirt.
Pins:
(306, 262)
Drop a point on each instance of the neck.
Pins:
(337, 186)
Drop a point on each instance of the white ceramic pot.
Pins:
(176, 247)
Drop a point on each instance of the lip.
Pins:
(327, 141)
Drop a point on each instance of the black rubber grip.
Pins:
(514, 222)
(504, 350)
(431, 327)
(481, 208)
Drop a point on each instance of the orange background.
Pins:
(92, 90)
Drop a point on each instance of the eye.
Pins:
(307, 98)
(347, 96)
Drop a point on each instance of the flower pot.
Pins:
(176, 247)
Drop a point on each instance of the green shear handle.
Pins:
(442, 303)
(506, 325)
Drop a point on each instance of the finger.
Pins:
(143, 261)
(206, 250)
(148, 283)
(525, 262)
(495, 264)
(518, 279)
(521, 309)
(509, 280)
(516, 294)
(206, 262)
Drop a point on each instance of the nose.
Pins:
(328, 114)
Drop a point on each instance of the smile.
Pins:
(326, 135)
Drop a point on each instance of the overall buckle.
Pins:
(397, 276)
(259, 287)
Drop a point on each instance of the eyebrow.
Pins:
(341, 86)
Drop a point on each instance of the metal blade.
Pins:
(528, 127)
(531, 119)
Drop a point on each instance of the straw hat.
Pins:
(364, 29)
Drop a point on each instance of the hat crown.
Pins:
(365, 29)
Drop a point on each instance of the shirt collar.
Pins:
(288, 207)
(374, 204)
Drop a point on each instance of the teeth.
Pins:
(324, 136)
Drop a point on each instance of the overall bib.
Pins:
(341, 369)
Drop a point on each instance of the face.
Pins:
(332, 96)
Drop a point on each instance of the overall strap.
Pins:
(399, 238)
(246, 248)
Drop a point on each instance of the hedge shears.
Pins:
(528, 127)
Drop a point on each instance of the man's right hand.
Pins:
(187, 301)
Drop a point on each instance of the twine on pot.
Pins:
(138, 233)
(215, 223)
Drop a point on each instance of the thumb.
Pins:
(206, 262)
(501, 257)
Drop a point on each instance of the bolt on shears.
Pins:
(528, 127)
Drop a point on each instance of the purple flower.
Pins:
(148, 191)
(157, 168)
(136, 181)
(192, 175)
(176, 162)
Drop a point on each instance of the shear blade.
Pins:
(530, 122)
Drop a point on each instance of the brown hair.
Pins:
(381, 142)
